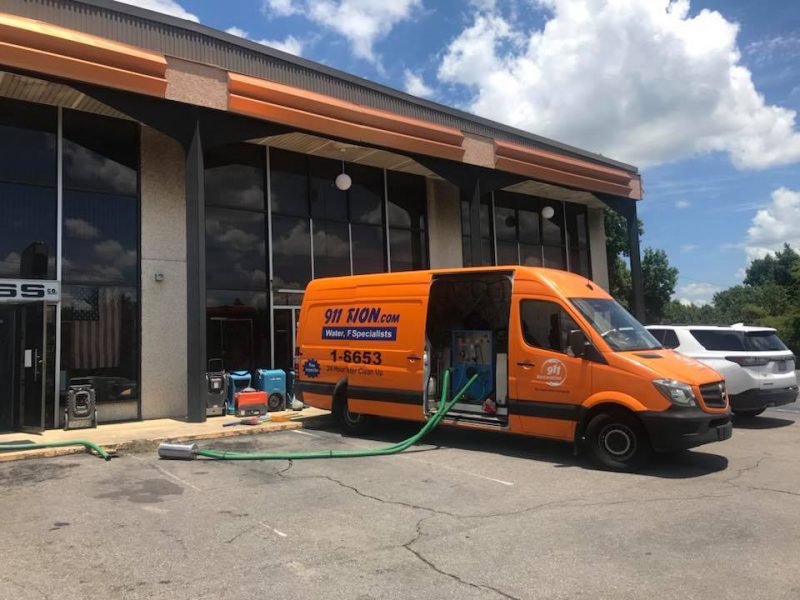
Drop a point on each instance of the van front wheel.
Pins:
(618, 442)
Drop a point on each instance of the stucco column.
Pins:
(163, 251)
(597, 246)
(444, 224)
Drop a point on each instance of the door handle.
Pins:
(414, 357)
(37, 363)
(526, 363)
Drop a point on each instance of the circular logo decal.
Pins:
(311, 368)
(553, 372)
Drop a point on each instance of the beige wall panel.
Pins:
(198, 84)
(164, 335)
(444, 224)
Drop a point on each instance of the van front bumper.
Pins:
(757, 399)
(681, 428)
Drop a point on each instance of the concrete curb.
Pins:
(147, 444)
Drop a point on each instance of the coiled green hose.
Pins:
(444, 407)
(88, 445)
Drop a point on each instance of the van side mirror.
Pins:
(577, 342)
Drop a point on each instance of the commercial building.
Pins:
(167, 190)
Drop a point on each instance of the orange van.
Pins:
(556, 357)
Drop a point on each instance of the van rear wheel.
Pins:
(618, 442)
(352, 423)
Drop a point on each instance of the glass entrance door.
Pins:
(8, 370)
(33, 365)
(285, 324)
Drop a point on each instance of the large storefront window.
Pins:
(237, 326)
(487, 245)
(28, 195)
(407, 221)
(517, 229)
(100, 271)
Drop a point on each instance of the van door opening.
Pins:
(467, 332)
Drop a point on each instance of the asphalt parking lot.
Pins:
(469, 515)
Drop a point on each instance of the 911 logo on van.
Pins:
(360, 315)
(553, 372)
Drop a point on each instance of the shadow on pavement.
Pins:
(679, 465)
(760, 422)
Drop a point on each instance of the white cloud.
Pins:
(775, 225)
(696, 293)
(689, 247)
(168, 7)
(361, 22)
(639, 80)
(682, 204)
(415, 85)
(281, 8)
(290, 45)
(80, 229)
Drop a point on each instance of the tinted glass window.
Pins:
(738, 341)
(100, 340)
(237, 329)
(486, 243)
(718, 340)
(331, 249)
(100, 153)
(408, 250)
(368, 249)
(530, 256)
(529, 227)
(27, 143)
(763, 341)
(100, 238)
(407, 205)
(27, 231)
(366, 194)
(658, 334)
(546, 325)
(288, 182)
(327, 201)
(235, 249)
(670, 339)
(234, 176)
(291, 252)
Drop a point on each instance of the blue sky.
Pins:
(700, 95)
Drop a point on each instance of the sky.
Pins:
(702, 96)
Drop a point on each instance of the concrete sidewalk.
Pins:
(142, 435)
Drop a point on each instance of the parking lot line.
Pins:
(301, 432)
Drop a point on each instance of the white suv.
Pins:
(757, 366)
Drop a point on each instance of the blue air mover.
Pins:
(273, 382)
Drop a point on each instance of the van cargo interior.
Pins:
(467, 332)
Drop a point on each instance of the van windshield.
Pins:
(615, 325)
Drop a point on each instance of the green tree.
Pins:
(782, 268)
(617, 247)
(658, 279)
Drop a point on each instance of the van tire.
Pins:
(618, 442)
(748, 413)
(351, 423)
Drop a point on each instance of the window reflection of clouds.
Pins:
(235, 249)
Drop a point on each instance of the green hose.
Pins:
(444, 407)
(87, 445)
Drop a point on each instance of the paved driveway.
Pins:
(470, 516)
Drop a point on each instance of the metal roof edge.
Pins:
(222, 36)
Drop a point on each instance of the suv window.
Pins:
(546, 325)
(738, 341)
(670, 339)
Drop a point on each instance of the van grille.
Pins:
(713, 394)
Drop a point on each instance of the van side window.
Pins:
(546, 325)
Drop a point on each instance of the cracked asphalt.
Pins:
(467, 515)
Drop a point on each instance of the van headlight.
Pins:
(677, 392)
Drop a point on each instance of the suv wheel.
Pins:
(618, 442)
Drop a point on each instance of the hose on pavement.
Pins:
(88, 445)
